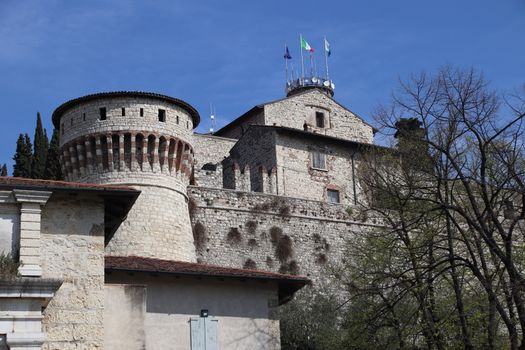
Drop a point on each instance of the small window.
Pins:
(318, 160)
(103, 115)
(332, 196)
(319, 119)
(209, 167)
(123, 111)
(187, 125)
(162, 115)
(177, 119)
(142, 112)
(71, 121)
(84, 116)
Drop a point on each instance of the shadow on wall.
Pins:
(225, 298)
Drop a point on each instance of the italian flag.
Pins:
(306, 46)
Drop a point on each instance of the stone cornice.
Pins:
(31, 196)
(7, 197)
(23, 287)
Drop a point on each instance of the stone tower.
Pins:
(142, 140)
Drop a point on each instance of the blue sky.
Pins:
(230, 53)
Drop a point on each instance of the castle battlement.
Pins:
(142, 140)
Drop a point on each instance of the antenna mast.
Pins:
(212, 119)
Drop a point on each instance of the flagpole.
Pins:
(302, 59)
(286, 63)
(311, 64)
(326, 59)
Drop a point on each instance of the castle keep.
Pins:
(193, 239)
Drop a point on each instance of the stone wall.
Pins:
(135, 146)
(297, 176)
(72, 250)
(210, 151)
(236, 129)
(157, 226)
(299, 112)
(300, 109)
(268, 232)
(84, 118)
(256, 150)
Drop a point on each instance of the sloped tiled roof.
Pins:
(288, 284)
(21, 182)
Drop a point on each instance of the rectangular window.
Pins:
(318, 160)
(123, 111)
(332, 196)
(103, 115)
(162, 115)
(319, 119)
(142, 112)
(84, 116)
(177, 119)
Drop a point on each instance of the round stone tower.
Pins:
(142, 140)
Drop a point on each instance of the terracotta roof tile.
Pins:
(8, 181)
(135, 263)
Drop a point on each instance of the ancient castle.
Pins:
(161, 238)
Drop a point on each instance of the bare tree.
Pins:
(453, 196)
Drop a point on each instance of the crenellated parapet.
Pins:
(248, 178)
(136, 151)
(142, 140)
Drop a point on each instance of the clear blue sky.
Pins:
(230, 52)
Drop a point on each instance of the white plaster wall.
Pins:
(9, 229)
(124, 313)
(247, 311)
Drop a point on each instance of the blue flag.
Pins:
(287, 55)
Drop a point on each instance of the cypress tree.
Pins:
(23, 157)
(3, 171)
(41, 147)
(53, 170)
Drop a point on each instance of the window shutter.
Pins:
(211, 333)
(197, 334)
(204, 333)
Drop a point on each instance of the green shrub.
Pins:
(8, 266)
